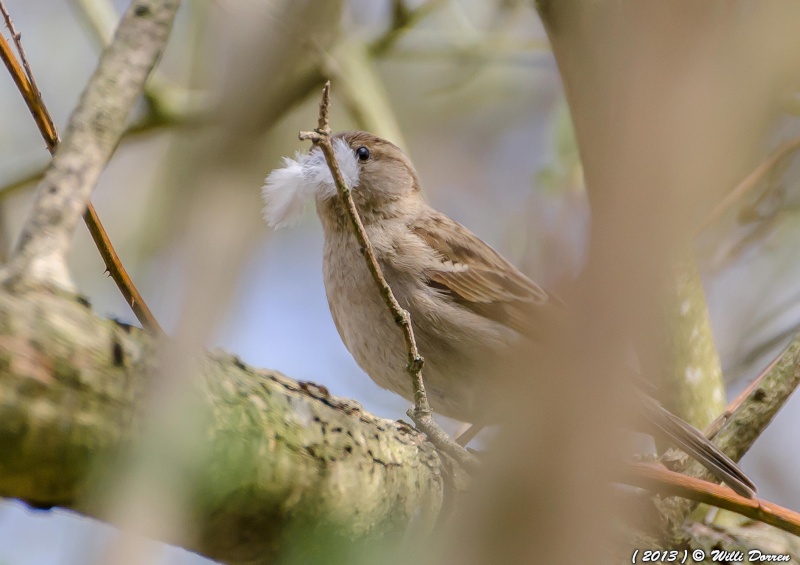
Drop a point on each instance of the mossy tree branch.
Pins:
(278, 454)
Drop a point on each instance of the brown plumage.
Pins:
(488, 285)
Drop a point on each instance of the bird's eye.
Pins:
(363, 154)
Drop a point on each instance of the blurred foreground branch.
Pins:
(629, 132)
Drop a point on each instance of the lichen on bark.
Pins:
(275, 454)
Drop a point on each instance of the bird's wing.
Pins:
(478, 277)
(693, 442)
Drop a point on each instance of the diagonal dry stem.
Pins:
(670, 483)
(26, 83)
(750, 181)
(421, 413)
(33, 98)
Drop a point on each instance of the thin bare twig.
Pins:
(321, 137)
(750, 181)
(25, 83)
(101, 17)
(421, 413)
(21, 182)
(167, 104)
(17, 37)
(33, 98)
(669, 483)
(119, 274)
(714, 427)
(149, 123)
(403, 19)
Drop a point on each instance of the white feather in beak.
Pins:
(287, 190)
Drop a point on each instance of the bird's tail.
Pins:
(691, 440)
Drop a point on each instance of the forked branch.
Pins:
(92, 134)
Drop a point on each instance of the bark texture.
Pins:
(278, 454)
(93, 132)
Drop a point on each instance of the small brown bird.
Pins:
(469, 306)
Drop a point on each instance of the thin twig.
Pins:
(421, 412)
(403, 19)
(33, 98)
(750, 181)
(101, 16)
(321, 138)
(26, 86)
(669, 483)
(17, 37)
(119, 274)
(147, 124)
(714, 427)
(21, 182)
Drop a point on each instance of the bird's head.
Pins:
(378, 172)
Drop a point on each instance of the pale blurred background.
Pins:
(477, 95)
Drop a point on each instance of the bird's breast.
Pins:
(364, 322)
(458, 347)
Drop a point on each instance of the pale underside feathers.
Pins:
(288, 189)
